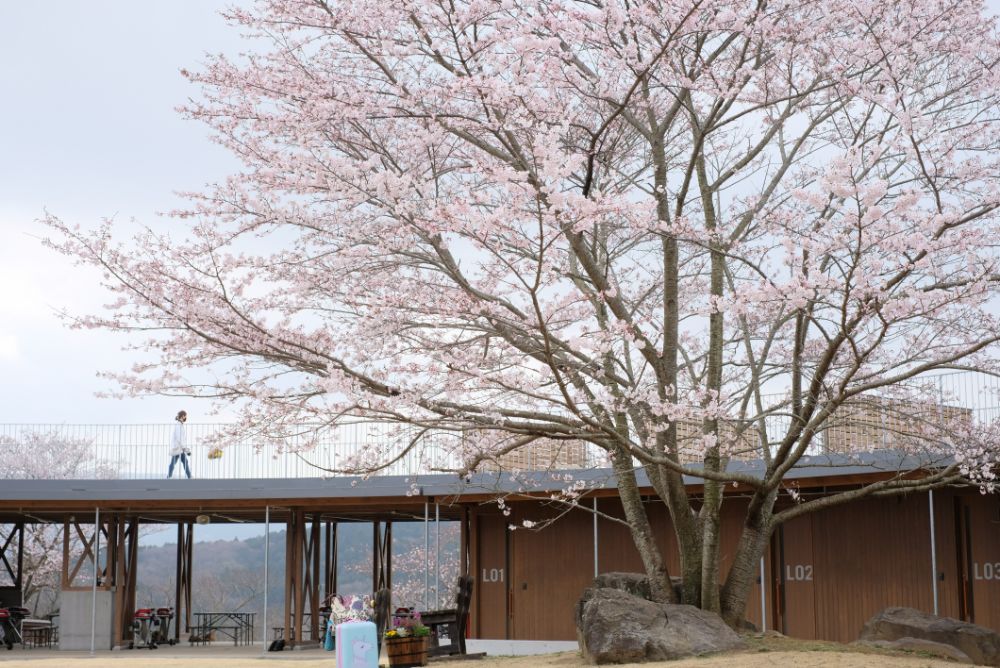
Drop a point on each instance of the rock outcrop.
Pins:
(615, 626)
(978, 643)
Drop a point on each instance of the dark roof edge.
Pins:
(441, 485)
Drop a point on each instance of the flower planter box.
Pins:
(407, 652)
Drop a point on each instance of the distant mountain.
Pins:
(229, 574)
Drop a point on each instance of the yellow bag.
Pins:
(215, 453)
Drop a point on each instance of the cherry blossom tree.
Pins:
(679, 231)
(438, 566)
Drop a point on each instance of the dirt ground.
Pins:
(563, 660)
(761, 653)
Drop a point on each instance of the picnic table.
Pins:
(235, 625)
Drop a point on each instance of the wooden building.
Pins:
(823, 576)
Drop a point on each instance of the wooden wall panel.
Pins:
(550, 568)
(869, 555)
(616, 549)
(840, 566)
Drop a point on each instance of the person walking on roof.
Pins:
(178, 446)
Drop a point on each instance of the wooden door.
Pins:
(550, 568)
(979, 558)
(794, 575)
(490, 570)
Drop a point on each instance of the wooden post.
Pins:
(182, 600)
(381, 555)
(299, 576)
(290, 560)
(464, 548)
(330, 562)
(473, 539)
(64, 579)
(388, 554)
(376, 557)
(310, 583)
(122, 562)
(296, 582)
(131, 569)
(117, 562)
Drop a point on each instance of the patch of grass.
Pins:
(778, 643)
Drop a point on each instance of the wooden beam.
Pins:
(13, 562)
(71, 565)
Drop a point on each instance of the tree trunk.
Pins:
(688, 533)
(743, 573)
(642, 532)
(712, 505)
(710, 532)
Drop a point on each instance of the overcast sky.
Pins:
(88, 130)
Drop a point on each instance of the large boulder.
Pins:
(636, 584)
(979, 643)
(614, 626)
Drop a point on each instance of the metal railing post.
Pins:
(93, 602)
(267, 553)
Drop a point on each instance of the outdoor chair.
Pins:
(450, 622)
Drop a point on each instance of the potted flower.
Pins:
(406, 641)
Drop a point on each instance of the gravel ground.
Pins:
(761, 654)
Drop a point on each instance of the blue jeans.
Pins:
(184, 461)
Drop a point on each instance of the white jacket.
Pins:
(178, 441)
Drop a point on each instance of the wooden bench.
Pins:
(450, 622)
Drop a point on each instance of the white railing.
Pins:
(142, 451)
(879, 420)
